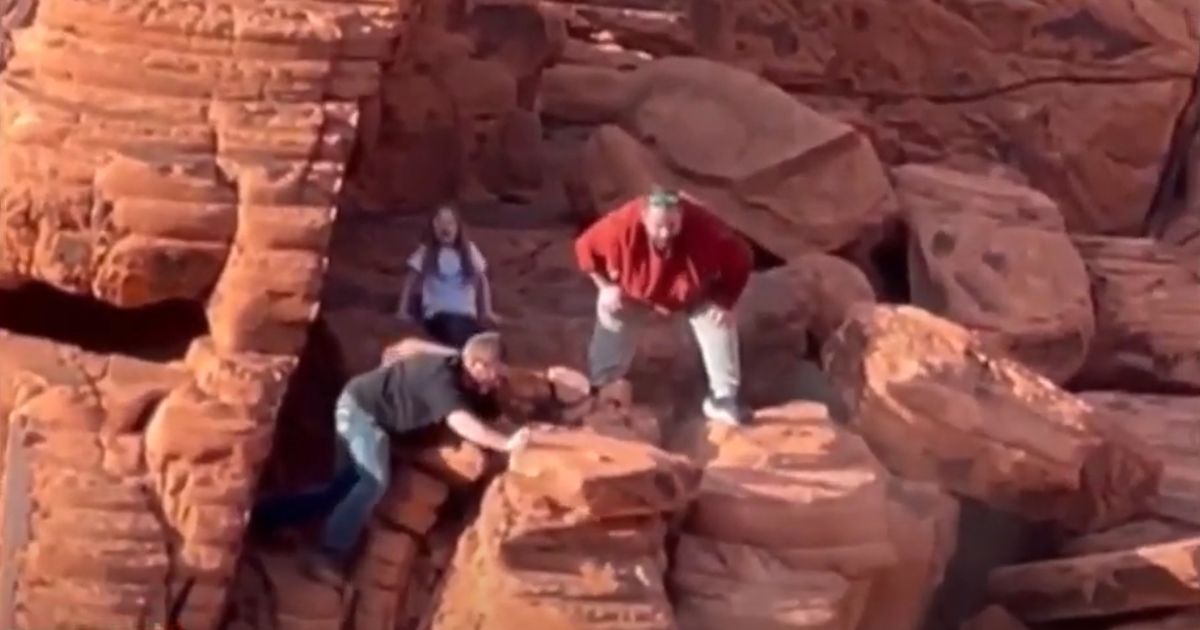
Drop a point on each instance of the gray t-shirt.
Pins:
(418, 391)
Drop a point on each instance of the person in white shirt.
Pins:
(447, 287)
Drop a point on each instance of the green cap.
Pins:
(662, 199)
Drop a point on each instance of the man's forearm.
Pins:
(471, 429)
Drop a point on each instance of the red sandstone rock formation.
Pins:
(569, 538)
(1146, 295)
(770, 167)
(1144, 578)
(208, 177)
(797, 526)
(1170, 426)
(996, 258)
(457, 115)
(935, 406)
(157, 151)
(1078, 98)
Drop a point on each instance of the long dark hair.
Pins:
(433, 246)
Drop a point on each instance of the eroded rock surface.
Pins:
(536, 557)
(156, 462)
(934, 405)
(156, 151)
(1170, 426)
(770, 167)
(457, 115)
(995, 257)
(797, 526)
(1079, 98)
(1143, 578)
(1146, 295)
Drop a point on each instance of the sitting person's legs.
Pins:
(452, 329)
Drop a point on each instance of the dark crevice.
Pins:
(885, 263)
(988, 538)
(764, 260)
(302, 453)
(158, 332)
(178, 603)
(1171, 195)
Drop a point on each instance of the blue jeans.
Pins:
(349, 499)
(452, 329)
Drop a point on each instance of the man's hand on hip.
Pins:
(610, 298)
(722, 316)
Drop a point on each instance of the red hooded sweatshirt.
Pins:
(707, 262)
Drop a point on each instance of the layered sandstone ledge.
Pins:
(162, 150)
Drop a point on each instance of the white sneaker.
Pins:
(726, 411)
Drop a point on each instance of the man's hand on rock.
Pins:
(610, 298)
(517, 441)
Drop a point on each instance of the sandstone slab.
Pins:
(995, 257)
(792, 528)
(1132, 535)
(526, 562)
(935, 405)
(1145, 578)
(794, 481)
(588, 476)
(1170, 426)
(778, 159)
(1145, 295)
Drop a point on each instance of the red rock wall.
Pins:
(1079, 99)
(156, 150)
(457, 117)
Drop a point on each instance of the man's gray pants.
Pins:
(615, 338)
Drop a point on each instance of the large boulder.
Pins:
(543, 556)
(935, 405)
(797, 526)
(995, 257)
(782, 311)
(772, 168)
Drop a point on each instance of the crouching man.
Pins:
(665, 254)
(410, 394)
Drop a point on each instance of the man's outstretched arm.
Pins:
(470, 428)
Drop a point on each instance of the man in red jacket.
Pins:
(665, 254)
